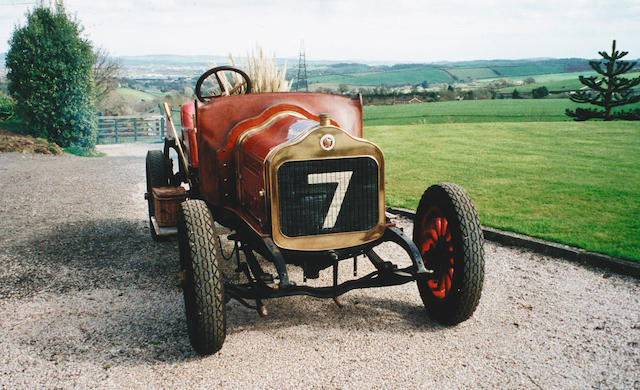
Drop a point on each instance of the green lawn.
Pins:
(472, 111)
(521, 110)
(570, 182)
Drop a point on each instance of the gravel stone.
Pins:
(89, 300)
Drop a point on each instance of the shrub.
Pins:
(7, 107)
(540, 92)
(50, 77)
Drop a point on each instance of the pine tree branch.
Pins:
(622, 67)
(581, 97)
(630, 115)
(625, 83)
(599, 103)
(592, 83)
(618, 102)
(604, 55)
(597, 67)
(634, 99)
(578, 99)
(583, 114)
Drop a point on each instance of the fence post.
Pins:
(162, 127)
(135, 129)
(99, 128)
(115, 123)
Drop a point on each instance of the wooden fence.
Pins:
(135, 128)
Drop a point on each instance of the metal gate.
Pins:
(134, 128)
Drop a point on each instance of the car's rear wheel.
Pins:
(448, 234)
(202, 280)
(157, 176)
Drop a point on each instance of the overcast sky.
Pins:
(353, 30)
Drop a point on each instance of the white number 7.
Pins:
(343, 179)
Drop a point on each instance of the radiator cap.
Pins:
(324, 120)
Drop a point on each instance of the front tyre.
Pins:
(448, 234)
(202, 283)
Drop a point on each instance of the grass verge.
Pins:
(574, 183)
(83, 152)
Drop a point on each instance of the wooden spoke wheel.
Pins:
(448, 234)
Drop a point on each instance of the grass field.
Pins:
(574, 183)
(547, 77)
(432, 75)
(559, 82)
(527, 70)
(556, 85)
(550, 73)
(473, 73)
(472, 111)
(137, 94)
(394, 77)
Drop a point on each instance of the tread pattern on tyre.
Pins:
(203, 286)
(464, 297)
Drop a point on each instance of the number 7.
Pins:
(343, 179)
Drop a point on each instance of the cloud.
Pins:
(398, 30)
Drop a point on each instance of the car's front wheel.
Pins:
(448, 234)
(202, 281)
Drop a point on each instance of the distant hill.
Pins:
(169, 59)
(426, 74)
(441, 72)
(354, 74)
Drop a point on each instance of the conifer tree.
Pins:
(608, 91)
(49, 71)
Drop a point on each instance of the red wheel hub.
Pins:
(436, 246)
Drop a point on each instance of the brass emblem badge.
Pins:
(327, 142)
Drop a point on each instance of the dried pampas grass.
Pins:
(263, 73)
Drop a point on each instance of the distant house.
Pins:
(412, 101)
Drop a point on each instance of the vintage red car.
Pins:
(291, 176)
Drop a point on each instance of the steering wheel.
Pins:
(233, 81)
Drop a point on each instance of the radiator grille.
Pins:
(328, 196)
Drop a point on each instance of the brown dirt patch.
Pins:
(11, 142)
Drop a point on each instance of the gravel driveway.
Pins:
(87, 299)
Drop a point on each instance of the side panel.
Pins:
(187, 112)
(276, 125)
